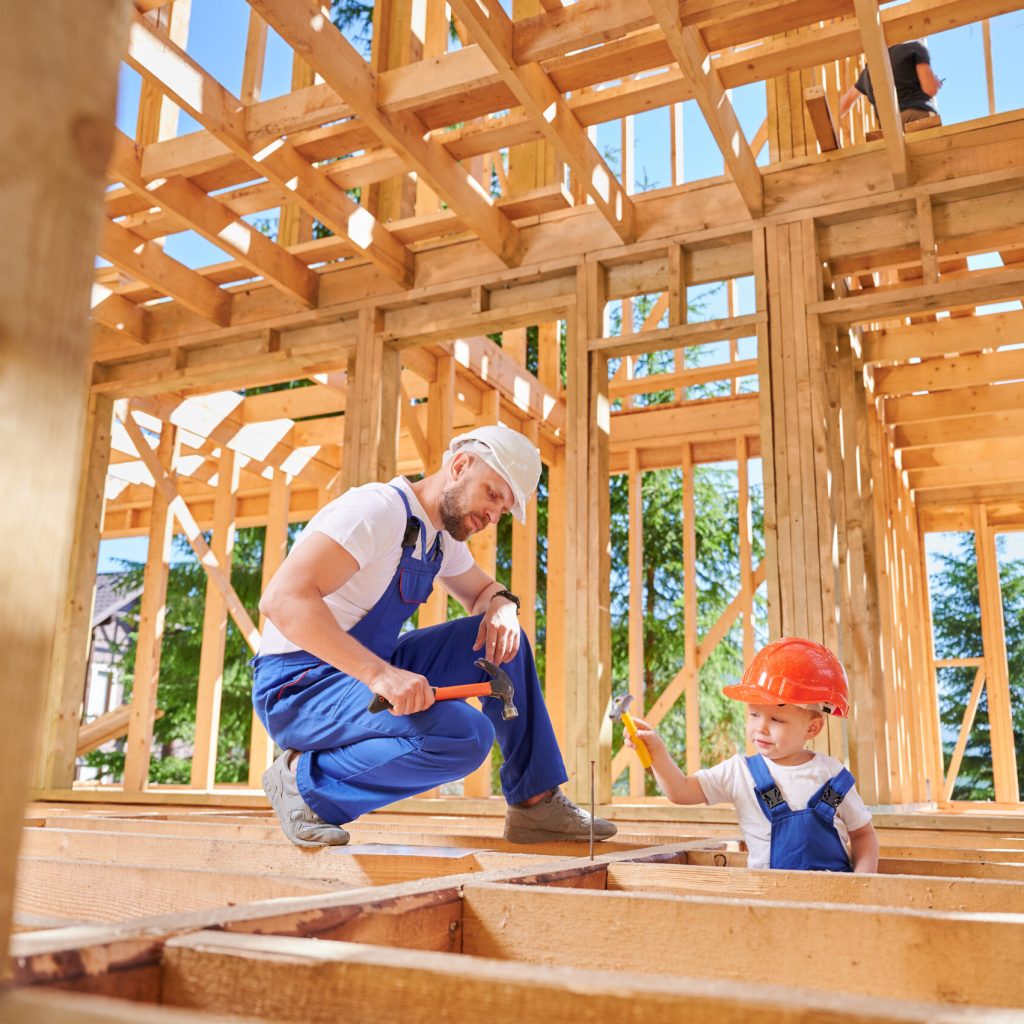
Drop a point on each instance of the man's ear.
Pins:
(816, 724)
(460, 462)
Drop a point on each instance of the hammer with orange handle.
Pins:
(499, 685)
(620, 712)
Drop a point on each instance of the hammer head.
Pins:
(501, 687)
(620, 705)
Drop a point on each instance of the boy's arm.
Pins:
(864, 848)
(678, 787)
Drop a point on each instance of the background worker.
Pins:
(798, 809)
(916, 84)
(335, 611)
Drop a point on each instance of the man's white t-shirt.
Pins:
(731, 782)
(369, 523)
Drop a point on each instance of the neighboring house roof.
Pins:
(110, 599)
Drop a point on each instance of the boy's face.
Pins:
(779, 731)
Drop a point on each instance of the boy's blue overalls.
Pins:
(354, 762)
(804, 840)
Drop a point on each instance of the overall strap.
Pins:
(827, 800)
(769, 796)
(413, 527)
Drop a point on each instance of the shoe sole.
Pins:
(532, 835)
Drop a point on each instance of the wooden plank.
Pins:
(493, 31)
(73, 636)
(821, 118)
(1004, 754)
(160, 61)
(267, 974)
(691, 671)
(962, 371)
(691, 54)
(217, 223)
(55, 1007)
(968, 961)
(152, 615)
(275, 550)
(148, 262)
(869, 19)
(121, 891)
(333, 57)
(215, 627)
(64, 76)
(207, 559)
(942, 337)
(106, 727)
(918, 893)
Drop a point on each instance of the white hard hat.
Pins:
(509, 454)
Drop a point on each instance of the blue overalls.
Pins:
(354, 762)
(804, 840)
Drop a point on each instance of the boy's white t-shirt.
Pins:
(731, 782)
(369, 523)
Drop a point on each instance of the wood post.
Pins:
(73, 637)
(997, 677)
(275, 550)
(152, 614)
(215, 627)
(63, 74)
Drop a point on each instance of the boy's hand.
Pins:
(655, 744)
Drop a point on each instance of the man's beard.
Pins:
(453, 513)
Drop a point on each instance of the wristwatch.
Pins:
(508, 595)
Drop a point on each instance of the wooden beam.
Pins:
(304, 27)
(221, 972)
(942, 337)
(167, 487)
(493, 31)
(59, 80)
(966, 371)
(215, 625)
(119, 314)
(217, 223)
(691, 54)
(148, 262)
(821, 118)
(869, 18)
(157, 59)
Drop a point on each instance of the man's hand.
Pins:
(406, 691)
(499, 631)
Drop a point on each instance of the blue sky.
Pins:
(217, 41)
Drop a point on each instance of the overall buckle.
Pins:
(772, 797)
(831, 797)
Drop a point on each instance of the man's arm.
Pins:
(847, 100)
(294, 603)
(926, 77)
(499, 628)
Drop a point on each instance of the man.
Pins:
(335, 609)
(916, 84)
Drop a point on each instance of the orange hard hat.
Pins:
(794, 671)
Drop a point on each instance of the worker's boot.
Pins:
(553, 819)
(301, 824)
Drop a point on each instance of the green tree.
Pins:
(956, 620)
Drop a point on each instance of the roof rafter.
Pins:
(119, 314)
(148, 262)
(217, 223)
(312, 35)
(694, 60)
(494, 33)
(157, 59)
(869, 18)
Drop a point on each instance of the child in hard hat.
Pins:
(798, 809)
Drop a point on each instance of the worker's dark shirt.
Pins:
(904, 57)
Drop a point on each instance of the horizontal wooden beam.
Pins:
(680, 336)
(219, 972)
(939, 374)
(942, 337)
(149, 263)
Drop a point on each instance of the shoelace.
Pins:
(559, 797)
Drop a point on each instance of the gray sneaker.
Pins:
(302, 825)
(552, 819)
